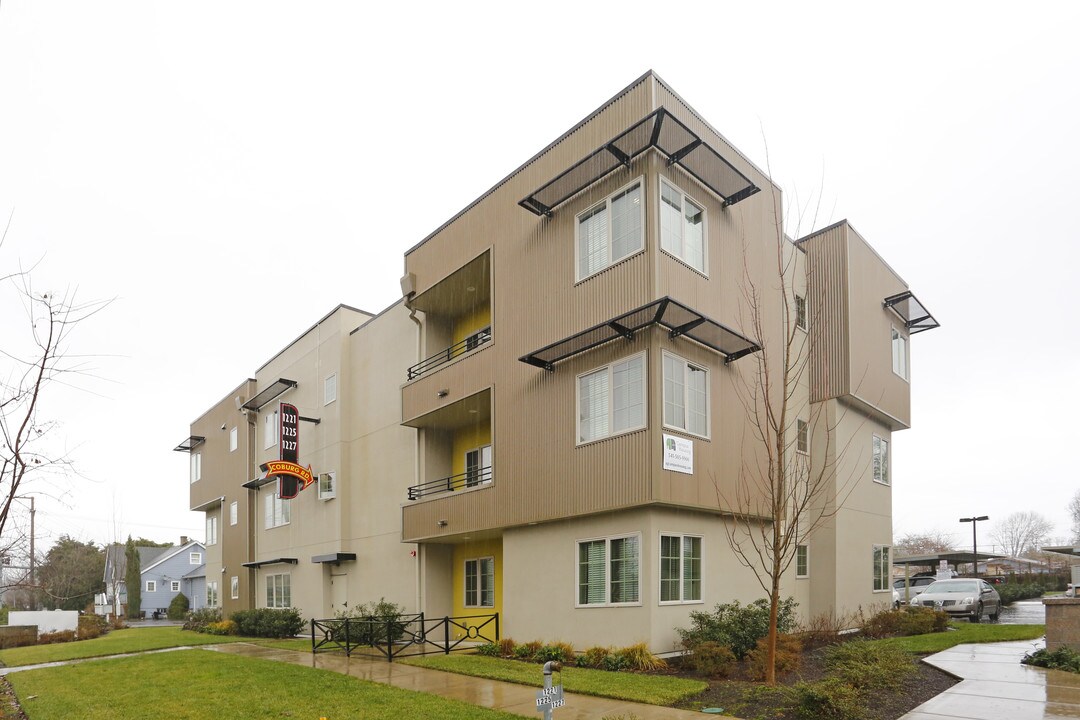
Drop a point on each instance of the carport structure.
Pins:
(930, 561)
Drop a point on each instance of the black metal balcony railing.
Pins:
(472, 342)
(467, 479)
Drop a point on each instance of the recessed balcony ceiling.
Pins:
(663, 131)
(459, 293)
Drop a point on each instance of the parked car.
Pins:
(897, 599)
(970, 598)
(915, 586)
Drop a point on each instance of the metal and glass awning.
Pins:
(275, 561)
(663, 131)
(668, 313)
(335, 558)
(914, 314)
(190, 443)
(269, 394)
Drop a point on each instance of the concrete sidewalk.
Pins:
(995, 686)
(508, 697)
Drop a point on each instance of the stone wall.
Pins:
(1062, 623)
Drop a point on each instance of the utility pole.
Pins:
(974, 541)
(32, 511)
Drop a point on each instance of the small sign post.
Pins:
(551, 696)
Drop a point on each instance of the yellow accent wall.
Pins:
(467, 439)
(473, 551)
(466, 325)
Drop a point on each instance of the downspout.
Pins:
(416, 463)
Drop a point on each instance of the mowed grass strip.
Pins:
(204, 685)
(649, 689)
(962, 633)
(116, 642)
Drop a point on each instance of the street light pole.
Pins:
(974, 541)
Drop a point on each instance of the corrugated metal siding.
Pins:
(827, 265)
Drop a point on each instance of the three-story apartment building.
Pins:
(555, 422)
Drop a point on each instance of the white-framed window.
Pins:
(478, 466)
(802, 437)
(680, 568)
(611, 399)
(270, 430)
(480, 582)
(196, 467)
(232, 439)
(881, 460)
(212, 593)
(882, 569)
(278, 511)
(211, 529)
(279, 590)
(682, 226)
(234, 587)
(195, 558)
(328, 485)
(900, 354)
(800, 312)
(611, 230)
(234, 512)
(802, 561)
(174, 586)
(609, 571)
(330, 389)
(151, 586)
(686, 396)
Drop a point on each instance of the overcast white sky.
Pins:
(182, 156)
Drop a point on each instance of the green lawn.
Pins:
(965, 632)
(650, 689)
(116, 642)
(201, 685)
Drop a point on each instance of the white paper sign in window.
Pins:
(678, 454)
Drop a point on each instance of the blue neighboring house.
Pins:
(165, 573)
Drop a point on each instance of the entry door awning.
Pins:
(671, 314)
(663, 131)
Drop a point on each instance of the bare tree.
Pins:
(780, 497)
(1074, 513)
(29, 365)
(926, 543)
(1021, 533)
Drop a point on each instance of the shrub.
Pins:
(906, 621)
(225, 627)
(488, 650)
(638, 657)
(711, 659)
(613, 662)
(528, 651)
(178, 607)
(1019, 591)
(60, 636)
(737, 626)
(376, 622)
(825, 628)
(868, 666)
(91, 626)
(506, 647)
(559, 652)
(593, 657)
(197, 620)
(788, 656)
(830, 699)
(268, 622)
(1061, 659)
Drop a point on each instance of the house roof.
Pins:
(196, 573)
(116, 554)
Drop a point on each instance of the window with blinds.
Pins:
(480, 582)
(277, 511)
(611, 400)
(610, 231)
(680, 568)
(686, 396)
(682, 226)
(609, 571)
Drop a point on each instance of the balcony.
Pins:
(473, 477)
(456, 350)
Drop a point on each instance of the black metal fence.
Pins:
(467, 479)
(472, 342)
(403, 635)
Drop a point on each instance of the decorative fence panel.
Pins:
(403, 635)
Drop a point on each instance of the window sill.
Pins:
(667, 603)
(607, 605)
(685, 264)
(637, 253)
(672, 428)
(621, 433)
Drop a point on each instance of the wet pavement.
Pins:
(1024, 612)
(508, 697)
(996, 686)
